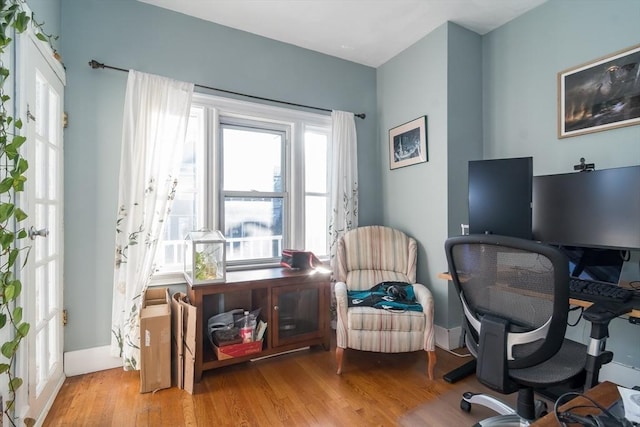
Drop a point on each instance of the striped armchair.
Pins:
(365, 257)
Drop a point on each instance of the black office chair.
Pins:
(515, 297)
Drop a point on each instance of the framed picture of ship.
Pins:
(408, 143)
(600, 95)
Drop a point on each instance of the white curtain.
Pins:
(156, 113)
(344, 178)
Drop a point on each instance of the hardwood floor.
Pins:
(297, 389)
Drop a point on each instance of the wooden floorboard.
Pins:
(297, 389)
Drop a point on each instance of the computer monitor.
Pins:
(500, 192)
(603, 265)
(597, 209)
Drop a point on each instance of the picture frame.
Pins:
(600, 95)
(408, 143)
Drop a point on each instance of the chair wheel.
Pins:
(540, 409)
(465, 406)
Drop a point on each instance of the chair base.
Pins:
(512, 420)
(487, 401)
(507, 415)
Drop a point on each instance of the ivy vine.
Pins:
(13, 19)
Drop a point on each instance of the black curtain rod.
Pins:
(95, 64)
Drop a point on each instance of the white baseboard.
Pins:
(90, 360)
(41, 417)
(448, 339)
(99, 358)
(624, 375)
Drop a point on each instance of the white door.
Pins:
(42, 110)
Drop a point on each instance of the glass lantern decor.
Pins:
(205, 257)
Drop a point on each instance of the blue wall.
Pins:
(47, 13)
(131, 34)
(439, 76)
(521, 62)
(485, 97)
(516, 71)
(523, 121)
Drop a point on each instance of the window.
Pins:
(257, 173)
(254, 191)
(316, 146)
(187, 209)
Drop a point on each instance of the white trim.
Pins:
(90, 360)
(99, 358)
(448, 339)
(250, 110)
(45, 48)
(45, 411)
(618, 373)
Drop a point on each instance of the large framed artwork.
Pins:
(408, 143)
(600, 95)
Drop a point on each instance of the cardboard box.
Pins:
(155, 340)
(238, 350)
(189, 319)
(184, 341)
(177, 347)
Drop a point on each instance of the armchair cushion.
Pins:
(374, 329)
(375, 319)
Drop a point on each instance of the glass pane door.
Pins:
(44, 205)
(297, 313)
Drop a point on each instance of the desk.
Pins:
(605, 393)
(635, 311)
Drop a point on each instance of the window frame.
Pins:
(219, 110)
(284, 132)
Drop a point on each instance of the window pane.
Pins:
(253, 227)
(316, 224)
(252, 160)
(187, 205)
(315, 162)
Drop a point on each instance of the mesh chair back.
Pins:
(519, 281)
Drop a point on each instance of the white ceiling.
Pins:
(368, 32)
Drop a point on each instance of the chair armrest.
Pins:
(425, 298)
(340, 288)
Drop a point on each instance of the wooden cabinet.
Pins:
(295, 305)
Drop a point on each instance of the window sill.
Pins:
(167, 279)
(170, 279)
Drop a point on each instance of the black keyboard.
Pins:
(598, 291)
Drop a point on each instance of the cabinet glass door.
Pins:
(297, 313)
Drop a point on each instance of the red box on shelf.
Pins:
(238, 350)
